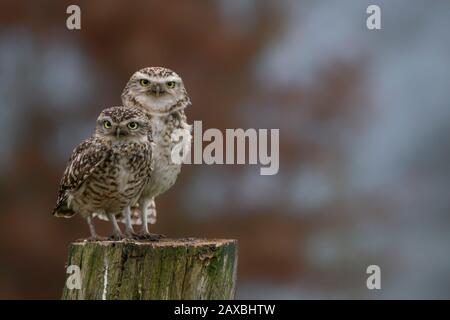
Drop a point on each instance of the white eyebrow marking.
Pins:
(141, 75)
(172, 78)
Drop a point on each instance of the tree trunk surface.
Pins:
(165, 269)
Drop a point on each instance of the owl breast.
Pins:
(123, 175)
(116, 184)
(164, 174)
(165, 170)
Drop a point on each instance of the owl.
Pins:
(161, 94)
(107, 173)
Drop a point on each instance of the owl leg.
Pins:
(129, 231)
(144, 206)
(117, 233)
(94, 235)
(151, 213)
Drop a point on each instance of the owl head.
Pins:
(123, 124)
(157, 90)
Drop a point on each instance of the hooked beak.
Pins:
(118, 132)
(157, 90)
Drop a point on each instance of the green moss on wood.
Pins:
(168, 269)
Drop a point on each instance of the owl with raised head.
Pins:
(107, 173)
(161, 94)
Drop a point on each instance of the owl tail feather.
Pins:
(62, 210)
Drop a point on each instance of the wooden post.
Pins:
(166, 269)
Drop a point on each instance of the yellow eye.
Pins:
(107, 124)
(144, 82)
(170, 84)
(133, 125)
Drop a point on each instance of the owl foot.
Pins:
(117, 237)
(131, 234)
(149, 236)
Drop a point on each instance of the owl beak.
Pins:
(157, 90)
(118, 132)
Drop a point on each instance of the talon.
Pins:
(131, 234)
(116, 237)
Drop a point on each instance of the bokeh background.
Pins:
(364, 121)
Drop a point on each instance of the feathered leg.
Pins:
(94, 235)
(144, 205)
(117, 233)
(151, 213)
(129, 231)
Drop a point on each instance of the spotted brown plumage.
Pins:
(159, 92)
(106, 173)
(82, 163)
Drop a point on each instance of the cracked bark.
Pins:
(166, 269)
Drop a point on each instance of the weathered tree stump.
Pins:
(165, 269)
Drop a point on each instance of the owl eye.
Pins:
(170, 84)
(133, 125)
(144, 82)
(107, 124)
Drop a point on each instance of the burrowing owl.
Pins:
(106, 173)
(160, 92)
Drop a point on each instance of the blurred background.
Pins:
(364, 121)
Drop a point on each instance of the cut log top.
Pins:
(164, 242)
(188, 268)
